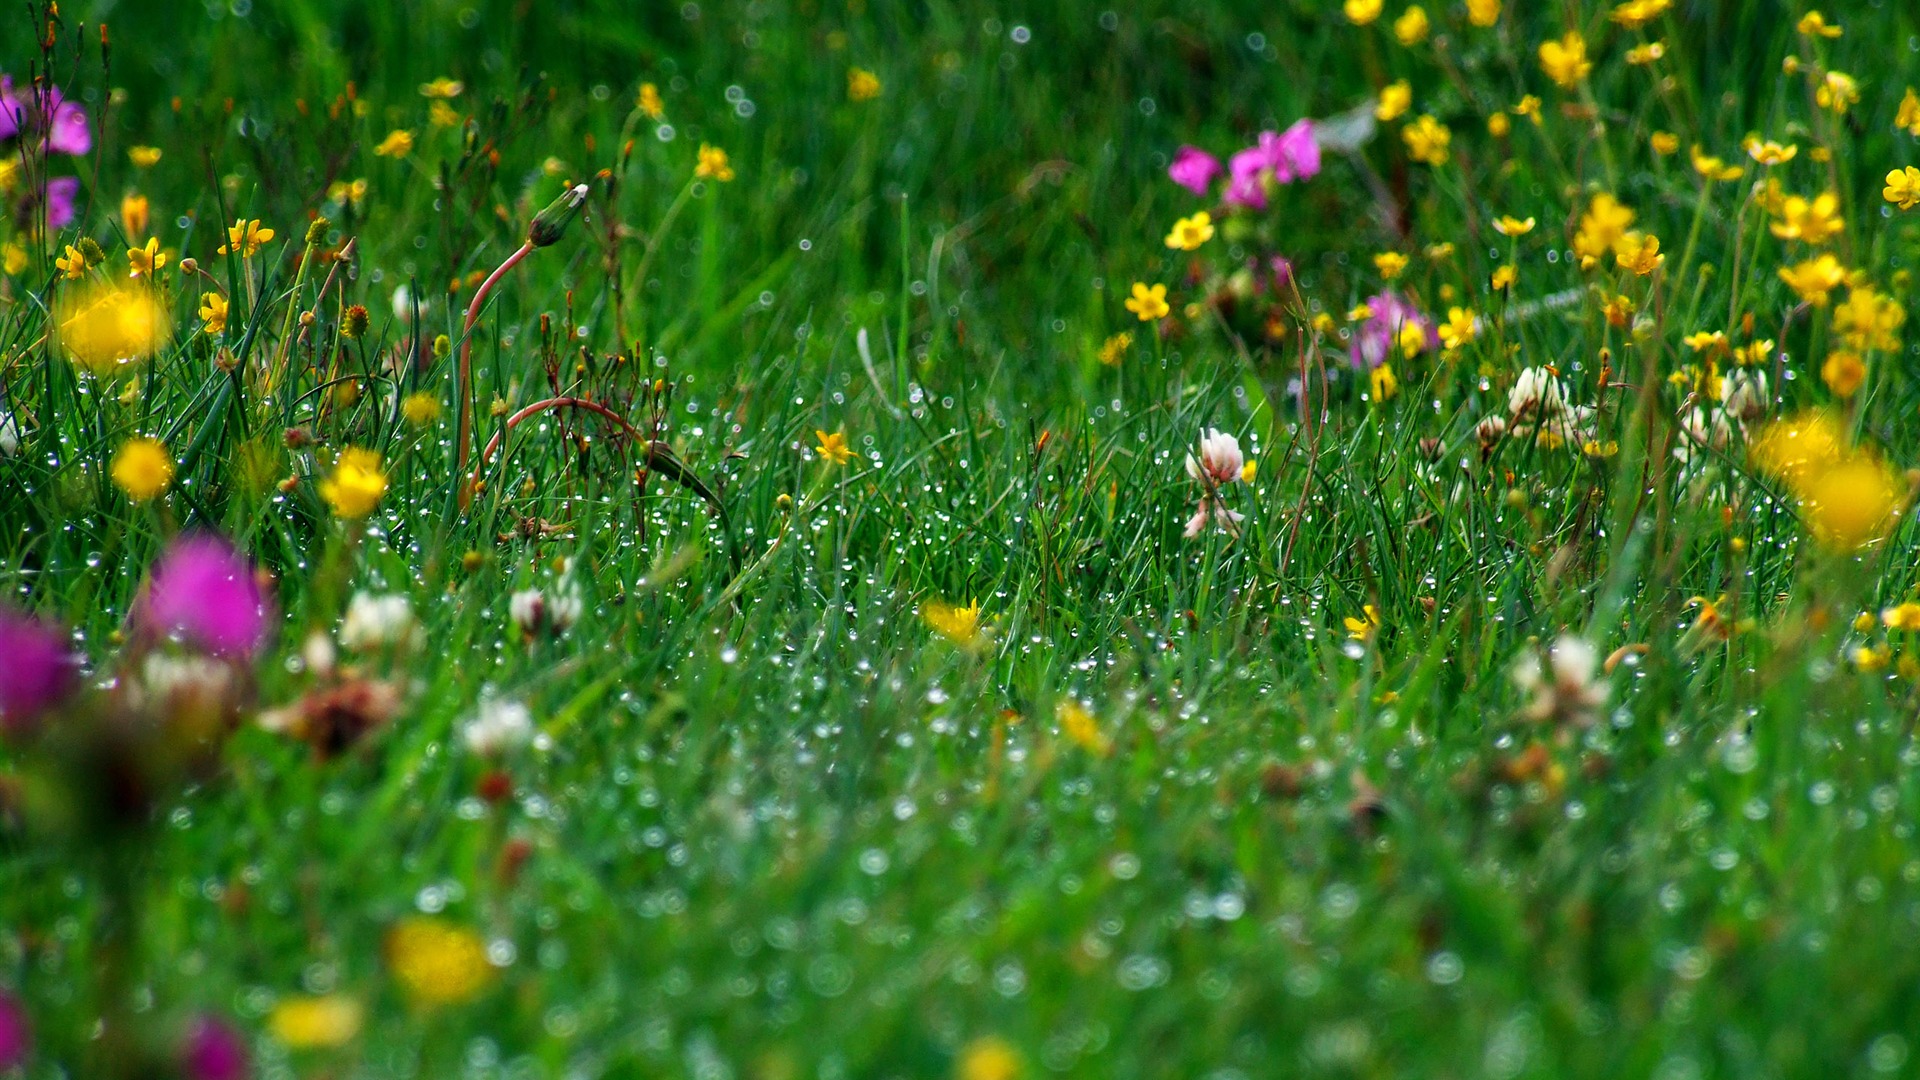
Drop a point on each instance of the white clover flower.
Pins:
(1220, 461)
(498, 726)
(1562, 687)
(1743, 394)
(374, 621)
(1536, 393)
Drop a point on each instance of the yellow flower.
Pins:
(862, 85)
(1360, 313)
(1638, 252)
(1869, 319)
(649, 102)
(1190, 232)
(1853, 502)
(1601, 227)
(13, 259)
(1565, 61)
(1115, 347)
(312, 1023)
(1814, 220)
(1768, 152)
(1498, 125)
(1395, 99)
(1483, 12)
(989, 1058)
(1427, 140)
(1619, 312)
(356, 484)
(420, 408)
(247, 237)
(833, 446)
(1637, 13)
(397, 144)
(1904, 616)
(1506, 225)
(146, 260)
(1413, 342)
(1079, 726)
(1813, 24)
(1837, 92)
(1902, 190)
(1440, 252)
(1148, 302)
(1362, 12)
(135, 215)
(347, 191)
(1868, 658)
(213, 312)
(1814, 279)
(1713, 168)
(107, 328)
(1794, 449)
(1843, 373)
(443, 88)
(1642, 55)
(713, 165)
(1529, 107)
(1412, 26)
(1362, 629)
(72, 265)
(1664, 143)
(959, 625)
(441, 114)
(1382, 382)
(1459, 329)
(1390, 264)
(437, 962)
(1753, 352)
(1504, 277)
(142, 468)
(1713, 343)
(143, 157)
(1908, 118)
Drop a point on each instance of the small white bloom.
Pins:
(1491, 430)
(1220, 461)
(528, 609)
(536, 612)
(1562, 688)
(1536, 392)
(497, 727)
(9, 433)
(373, 621)
(1743, 394)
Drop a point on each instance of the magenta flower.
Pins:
(1377, 338)
(213, 1051)
(15, 1038)
(61, 124)
(1194, 169)
(61, 191)
(1246, 177)
(205, 591)
(1299, 149)
(38, 671)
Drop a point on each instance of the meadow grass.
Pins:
(960, 757)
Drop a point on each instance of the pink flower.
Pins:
(1299, 149)
(213, 1051)
(1279, 156)
(1194, 169)
(1212, 509)
(15, 1037)
(205, 591)
(1379, 336)
(61, 125)
(61, 191)
(1220, 461)
(38, 671)
(1247, 172)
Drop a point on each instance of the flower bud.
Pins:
(551, 223)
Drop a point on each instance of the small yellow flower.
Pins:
(1395, 99)
(146, 260)
(351, 192)
(143, 157)
(713, 165)
(108, 328)
(1390, 264)
(1504, 277)
(1869, 320)
(1428, 140)
(1638, 252)
(1382, 383)
(1362, 12)
(314, 1023)
(1902, 190)
(1908, 117)
(988, 1058)
(1852, 503)
(1814, 220)
(443, 88)
(959, 625)
(1459, 329)
(1814, 24)
(1498, 125)
(1565, 61)
(1767, 152)
(833, 446)
(1529, 107)
(1148, 302)
(1665, 143)
(420, 408)
(862, 85)
(1412, 26)
(1905, 616)
(247, 237)
(1619, 312)
(441, 114)
(1190, 232)
(649, 102)
(1635, 14)
(1362, 629)
(1601, 227)
(397, 144)
(1837, 92)
(1115, 347)
(135, 216)
(1413, 342)
(213, 312)
(1712, 168)
(1712, 343)
(356, 484)
(72, 265)
(1079, 726)
(1843, 373)
(1483, 13)
(1868, 658)
(1814, 279)
(1360, 313)
(437, 962)
(142, 468)
(13, 259)
(1512, 226)
(1440, 252)
(1642, 55)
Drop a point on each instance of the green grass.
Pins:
(779, 828)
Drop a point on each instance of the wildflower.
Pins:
(60, 125)
(498, 727)
(1713, 168)
(1813, 279)
(1565, 61)
(420, 408)
(1414, 339)
(1383, 384)
(1079, 726)
(1536, 393)
(959, 625)
(1483, 12)
(1277, 157)
(1362, 12)
(1769, 152)
(1507, 225)
(1194, 169)
(833, 447)
(1843, 372)
(1814, 221)
(397, 144)
(1743, 394)
(1459, 329)
(1866, 658)
(1814, 24)
(356, 484)
(146, 260)
(72, 265)
(1904, 616)
(1753, 352)
(246, 237)
(1664, 143)
(988, 1058)
(1395, 100)
(649, 102)
(1389, 321)
(143, 157)
(316, 1023)
(1635, 14)
(1363, 628)
(1390, 264)
(1642, 55)
(107, 328)
(1412, 26)
(39, 671)
(441, 114)
(1115, 347)
(1908, 115)
(351, 192)
(213, 312)
(713, 164)
(1562, 688)
(1851, 503)
(862, 85)
(1189, 233)
(1148, 303)
(205, 591)
(1869, 319)
(1427, 140)
(1220, 461)
(1902, 190)
(135, 215)
(535, 612)
(1619, 312)
(142, 468)
(1712, 343)
(1529, 107)
(1638, 252)
(13, 259)
(1498, 125)
(373, 622)
(1837, 92)
(212, 1050)
(1504, 277)
(1440, 252)
(1796, 448)
(334, 717)
(1601, 227)
(443, 88)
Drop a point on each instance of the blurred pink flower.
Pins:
(1194, 169)
(1377, 338)
(205, 591)
(38, 670)
(60, 123)
(213, 1051)
(15, 1038)
(1279, 156)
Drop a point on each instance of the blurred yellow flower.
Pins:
(1390, 264)
(1190, 232)
(1565, 61)
(862, 85)
(437, 962)
(1362, 629)
(1664, 143)
(1795, 448)
(1148, 302)
(1813, 279)
(143, 157)
(1080, 727)
(1814, 24)
(312, 1023)
(1638, 252)
(1507, 225)
(1853, 502)
(1483, 12)
(1768, 152)
(1412, 26)
(420, 408)
(1837, 92)
(1637, 13)
(1869, 320)
(1814, 221)
(1504, 277)
(1382, 383)
(356, 484)
(1908, 116)
(1459, 329)
(1843, 372)
(1714, 168)
(989, 1058)
(443, 88)
(959, 625)
(1601, 227)
(713, 165)
(1428, 140)
(107, 328)
(833, 446)
(1642, 55)
(397, 144)
(1395, 99)
(135, 215)
(649, 102)
(1904, 616)
(142, 468)
(1362, 12)
(1115, 347)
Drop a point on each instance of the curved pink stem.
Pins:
(465, 434)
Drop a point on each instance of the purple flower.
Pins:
(1285, 156)
(15, 1039)
(1194, 169)
(205, 591)
(60, 123)
(61, 191)
(213, 1051)
(1374, 343)
(1282, 269)
(38, 671)
(1246, 184)
(1299, 149)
